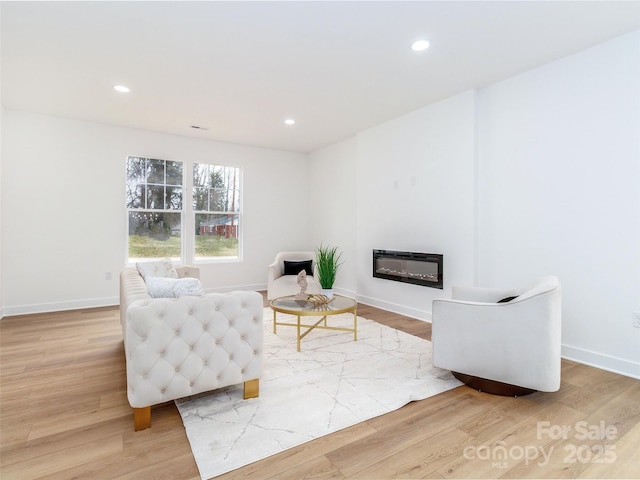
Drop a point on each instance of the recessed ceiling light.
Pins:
(419, 45)
(121, 89)
(290, 121)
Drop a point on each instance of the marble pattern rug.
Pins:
(331, 384)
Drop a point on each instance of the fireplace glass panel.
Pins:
(409, 267)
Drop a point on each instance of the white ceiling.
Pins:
(240, 68)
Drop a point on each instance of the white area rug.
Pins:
(333, 383)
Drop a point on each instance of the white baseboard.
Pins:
(601, 361)
(395, 308)
(345, 293)
(59, 306)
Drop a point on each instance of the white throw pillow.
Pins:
(157, 268)
(162, 287)
(187, 287)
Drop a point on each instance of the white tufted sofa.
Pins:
(177, 347)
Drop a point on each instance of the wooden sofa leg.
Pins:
(251, 388)
(141, 418)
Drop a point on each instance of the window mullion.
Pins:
(188, 217)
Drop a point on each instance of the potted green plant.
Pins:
(328, 259)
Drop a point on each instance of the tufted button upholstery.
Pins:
(184, 346)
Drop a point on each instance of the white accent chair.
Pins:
(178, 347)
(280, 285)
(516, 343)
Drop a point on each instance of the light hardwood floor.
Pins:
(64, 415)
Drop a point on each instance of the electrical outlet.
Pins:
(636, 319)
(107, 276)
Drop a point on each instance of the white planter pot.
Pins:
(327, 291)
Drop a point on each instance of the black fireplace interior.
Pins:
(409, 267)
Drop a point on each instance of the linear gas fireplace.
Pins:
(408, 267)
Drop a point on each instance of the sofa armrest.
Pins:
(189, 271)
(274, 271)
(132, 288)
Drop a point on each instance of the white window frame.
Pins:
(188, 215)
(193, 213)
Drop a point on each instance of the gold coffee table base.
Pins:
(290, 306)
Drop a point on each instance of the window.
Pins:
(216, 209)
(186, 218)
(154, 208)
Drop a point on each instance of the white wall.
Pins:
(415, 184)
(332, 206)
(64, 219)
(539, 174)
(559, 192)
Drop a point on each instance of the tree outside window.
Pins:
(216, 206)
(154, 208)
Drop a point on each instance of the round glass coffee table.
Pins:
(292, 305)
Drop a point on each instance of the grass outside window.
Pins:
(205, 245)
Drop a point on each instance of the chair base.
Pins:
(492, 386)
